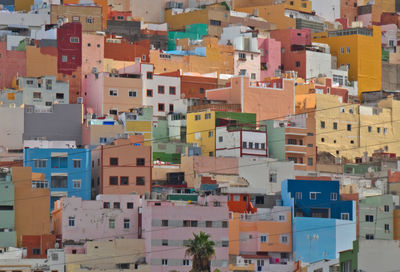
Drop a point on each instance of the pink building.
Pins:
(266, 102)
(270, 57)
(108, 217)
(92, 53)
(13, 63)
(167, 225)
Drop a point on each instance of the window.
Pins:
(75, 18)
(386, 208)
(344, 216)
(164, 223)
(161, 107)
(186, 262)
(385, 131)
(111, 223)
(225, 243)
(341, 50)
(76, 183)
(117, 205)
(113, 92)
(186, 223)
(282, 218)
(207, 116)
(36, 251)
(164, 262)
(77, 163)
(164, 242)
(284, 239)
(387, 227)
(250, 145)
(262, 146)
(40, 184)
(369, 129)
(378, 130)
(114, 161)
(37, 95)
(335, 125)
(132, 93)
(310, 161)
(161, 89)
(348, 50)
(202, 90)
(140, 181)
(113, 111)
(71, 221)
(208, 224)
(140, 161)
(193, 223)
(299, 195)
(124, 180)
(149, 93)
(313, 195)
(264, 238)
(127, 223)
(273, 177)
(106, 205)
(322, 124)
(348, 127)
(64, 58)
(369, 218)
(210, 134)
(292, 142)
(89, 20)
(242, 56)
(253, 75)
(257, 145)
(113, 180)
(149, 75)
(129, 205)
(59, 96)
(297, 63)
(40, 163)
(215, 23)
(172, 90)
(225, 224)
(369, 236)
(59, 181)
(74, 39)
(171, 108)
(244, 144)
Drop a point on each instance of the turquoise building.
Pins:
(192, 32)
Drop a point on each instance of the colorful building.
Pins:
(360, 50)
(122, 167)
(261, 241)
(323, 224)
(192, 32)
(13, 63)
(251, 94)
(270, 50)
(67, 170)
(140, 121)
(201, 127)
(168, 224)
(107, 218)
(8, 237)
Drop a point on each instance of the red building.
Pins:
(12, 63)
(240, 203)
(124, 50)
(69, 60)
(37, 245)
(119, 15)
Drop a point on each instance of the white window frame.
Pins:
(164, 262)
(334, 196)
(132, 92)
(74, 39)
(284, 236)
(112, 92)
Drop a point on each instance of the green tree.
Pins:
(201, 248)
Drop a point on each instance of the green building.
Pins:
(348, 259)
(276, 140)
(376, 217)
(192, 32)
(7, 234)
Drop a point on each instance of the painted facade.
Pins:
(107, 218)
(270, 50)
(8, 237)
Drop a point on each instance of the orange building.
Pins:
(123, 50)
(32, 212)
(218, 58)
(264, 237)
(253, 96)
(123, 167)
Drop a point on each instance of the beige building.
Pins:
(110, 256)
(89, 16)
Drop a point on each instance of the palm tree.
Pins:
(201, 248)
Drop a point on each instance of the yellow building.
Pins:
(360, 49)
(139, 122)
(275, 13)
(216, 16)
(347, 130)
(200, 130)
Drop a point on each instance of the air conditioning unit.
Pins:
(94, 70)
(79, 100)
(182, 95)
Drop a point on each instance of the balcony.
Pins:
(295, 149)
(242, 267)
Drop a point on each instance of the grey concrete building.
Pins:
(62, 122)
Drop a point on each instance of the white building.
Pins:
(240, 141)
(159, 91)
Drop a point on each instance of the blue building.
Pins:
(323, 225)
(67, 170)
